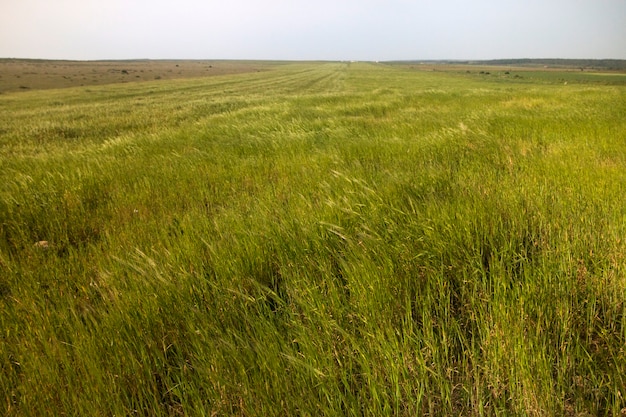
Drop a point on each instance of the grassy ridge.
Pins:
(338, 239)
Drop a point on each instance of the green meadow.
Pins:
(349, 239)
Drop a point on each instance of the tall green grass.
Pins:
(320, 239)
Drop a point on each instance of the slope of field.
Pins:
(317, 239)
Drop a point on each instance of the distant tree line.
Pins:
(606, 64)
(600, 64)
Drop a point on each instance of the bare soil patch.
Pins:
(27, 74)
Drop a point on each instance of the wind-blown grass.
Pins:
(319, 239)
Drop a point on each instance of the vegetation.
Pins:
(318, 239)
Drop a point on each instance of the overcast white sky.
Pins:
(312, 29)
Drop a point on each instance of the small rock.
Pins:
(42, 244)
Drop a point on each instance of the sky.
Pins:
(373, 30)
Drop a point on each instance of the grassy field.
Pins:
(316, 239)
